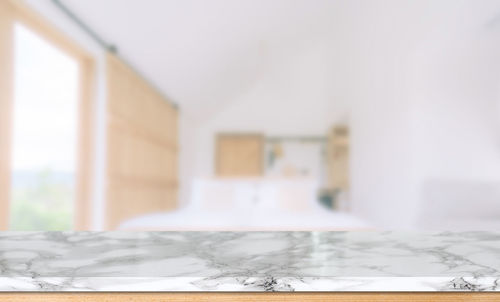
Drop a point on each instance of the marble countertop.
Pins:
(249, 261)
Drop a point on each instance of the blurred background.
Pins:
(249, 115)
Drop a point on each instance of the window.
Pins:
(45, 115)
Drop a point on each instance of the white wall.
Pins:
(382, 158)
(427, 117)
(457, 116)
(457, 129)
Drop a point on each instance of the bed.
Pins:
(250, 205)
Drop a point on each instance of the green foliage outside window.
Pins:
(41, 201)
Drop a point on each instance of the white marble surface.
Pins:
(249, 261)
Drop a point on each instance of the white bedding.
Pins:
(250, 205)
(187, 220)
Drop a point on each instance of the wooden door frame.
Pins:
(13, 11)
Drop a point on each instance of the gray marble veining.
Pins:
(249, 261)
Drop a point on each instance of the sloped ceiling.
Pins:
(203, 53)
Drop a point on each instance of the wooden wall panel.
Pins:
(130, 198)
(142, 147)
